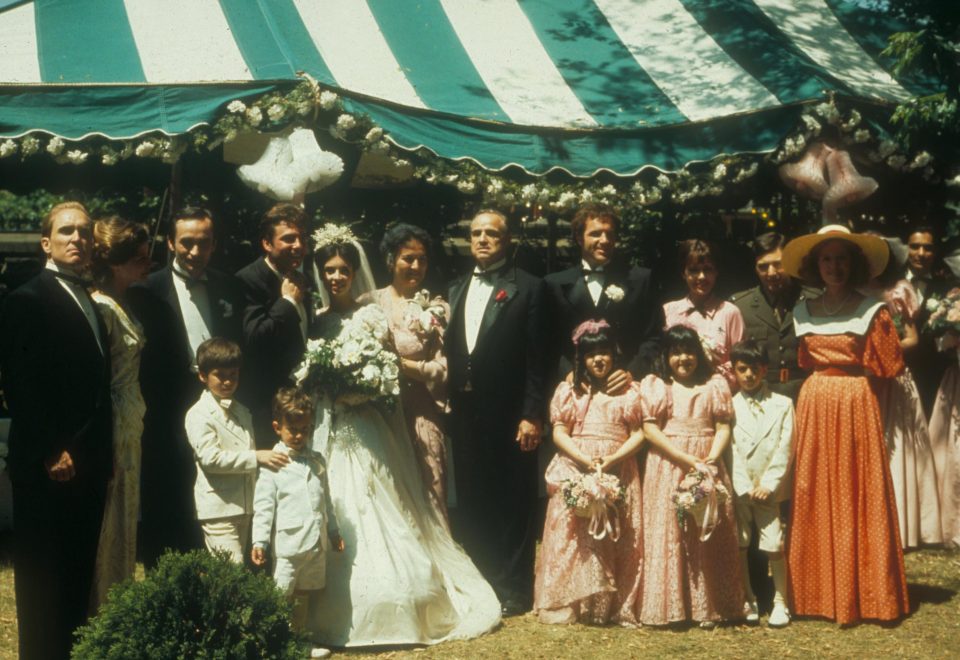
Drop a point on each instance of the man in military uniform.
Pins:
(767, 312)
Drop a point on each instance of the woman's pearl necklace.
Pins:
(823, 303)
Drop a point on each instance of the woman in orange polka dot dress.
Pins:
(844, 551)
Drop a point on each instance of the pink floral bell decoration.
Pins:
(807, 175)
(847, 186)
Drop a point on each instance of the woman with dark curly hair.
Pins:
(417, 320)
(844, 553)
(120, 258)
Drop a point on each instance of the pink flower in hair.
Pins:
(589, 327)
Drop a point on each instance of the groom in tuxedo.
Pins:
(603, 285)
(275, 314)
(55, 362)
(180, 306)
(495, 364)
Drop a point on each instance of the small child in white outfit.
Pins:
(296, 501)
(220, 432)
(762, 445)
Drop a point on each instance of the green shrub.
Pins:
(193, 605)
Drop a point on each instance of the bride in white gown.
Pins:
(402, 579)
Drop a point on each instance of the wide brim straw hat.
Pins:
(874, 248)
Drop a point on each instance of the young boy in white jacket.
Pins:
(220, 432)
(762, 445)
(296, 501)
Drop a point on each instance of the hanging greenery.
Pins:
(308, 104)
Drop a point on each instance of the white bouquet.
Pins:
(358, 362)
(425, 316)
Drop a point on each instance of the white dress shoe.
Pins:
(779, 617)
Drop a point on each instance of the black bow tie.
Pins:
(485, 275)
(587, 270)
(72, 279)
(190, 282)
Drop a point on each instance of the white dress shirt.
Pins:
(82, 297)
(920, 285)
(594, 279)
(478, 295)
(301, 310)
(195, 308)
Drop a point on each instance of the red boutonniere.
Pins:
(501, 295)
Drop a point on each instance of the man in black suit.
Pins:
(180, 306)
(495, 362)
(926, 363)
(275, 314)
(55, 362)
(603, 286)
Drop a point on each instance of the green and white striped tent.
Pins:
(581, 85)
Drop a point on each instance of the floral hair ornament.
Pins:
(589, 327)
(331, 234)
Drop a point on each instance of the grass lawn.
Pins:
(933, 630)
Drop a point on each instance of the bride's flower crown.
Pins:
(331, 234)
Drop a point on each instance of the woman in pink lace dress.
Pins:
(417, 331)
(580, 578)
(718, 322)
(686, 414)
(906, 432)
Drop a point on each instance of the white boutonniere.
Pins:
(226, 309)
(614, 293)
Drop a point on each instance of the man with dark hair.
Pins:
(495, 361)
(926, 363)
(767, 312)
(275, 314)
(602, 285)
(180, 306)
(55, 361)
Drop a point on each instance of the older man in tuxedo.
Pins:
(180, 306)
(495, 360)
(55, 361)
(275, 314)
(604, 285)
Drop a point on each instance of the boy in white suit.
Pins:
(296, 501)
(762, 445)
(220, 431)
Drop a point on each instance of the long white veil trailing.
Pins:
(362, 280)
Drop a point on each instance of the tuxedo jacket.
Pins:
(169, 385)
(226, 459)
(273, 343)
(56, 381)
(296, 501)
(505, 372)
(762, 445)
(636, 319)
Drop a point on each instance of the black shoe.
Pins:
(513, 607)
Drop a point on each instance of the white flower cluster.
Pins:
(331, 234)
(424, 315)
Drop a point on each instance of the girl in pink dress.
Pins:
(718, 322)
(579, 578)
(686, 420)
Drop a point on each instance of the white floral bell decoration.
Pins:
(292, 166)
(807, 176)
(847, 186)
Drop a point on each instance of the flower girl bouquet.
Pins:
(596, 495)
(699, 496)
(357, 363)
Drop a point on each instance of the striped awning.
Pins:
(582, 85)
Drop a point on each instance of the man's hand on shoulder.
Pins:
(618, 382)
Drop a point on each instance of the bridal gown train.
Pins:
(402, 579)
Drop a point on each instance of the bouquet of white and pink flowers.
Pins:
(356, 363)
(596, 495)
(944, 313)
(699, 496)
(426, 316)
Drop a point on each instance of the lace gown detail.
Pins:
(578, 578)
(845, 556)
(685, 578)
(116, 551)
(401, 579)
(424, 397)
